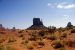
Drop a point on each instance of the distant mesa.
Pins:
(13, 29)
(69, 25)
(37, 24)
(1, 27)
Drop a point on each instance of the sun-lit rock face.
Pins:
(37, 24)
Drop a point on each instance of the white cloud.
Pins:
(68, 6)
(59, 6)
(63, 5)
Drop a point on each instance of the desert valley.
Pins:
(38, 37)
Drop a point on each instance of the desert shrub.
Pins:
(21, 35)
(21, 31)
(2, 32)
(51, 37)
(37, 35)
(30, 47)
(32, 38)
(9, 48)
(23, 38)
(61, 49)
(34, 33)
(70, 43)
(39, 38)
(64, 35)
(11, 39)
(2, 40)
(35, 44)
(41, 33)
(26, 31)
(57, 45)
(41, 43)
(25, 42)
(73, 31)
(1, 47)
(51, 29)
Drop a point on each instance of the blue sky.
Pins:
(20, 13)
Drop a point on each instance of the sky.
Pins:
(20, 13)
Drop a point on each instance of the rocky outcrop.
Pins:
(69, 25)
(1, 27)
(37, 24)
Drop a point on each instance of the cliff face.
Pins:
(37, 24)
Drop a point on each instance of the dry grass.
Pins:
(37, 40)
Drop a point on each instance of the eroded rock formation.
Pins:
(37, 24)
(1, 27)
